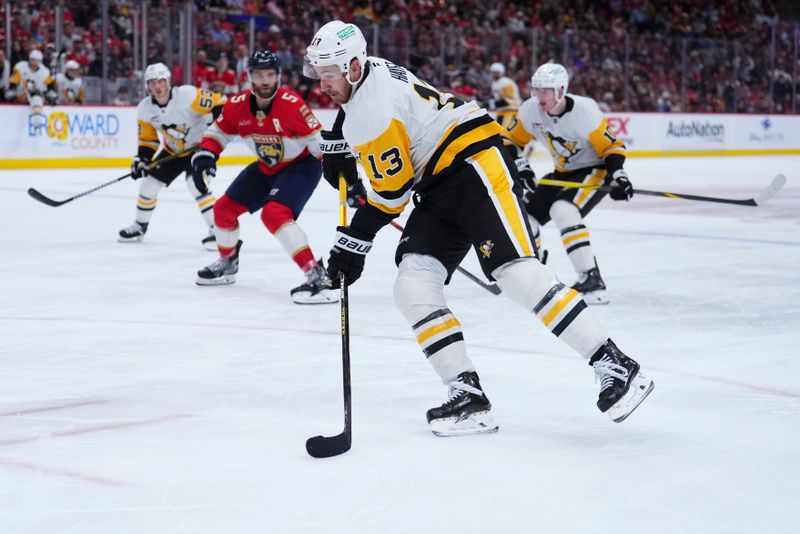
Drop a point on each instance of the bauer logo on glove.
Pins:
(353, 245)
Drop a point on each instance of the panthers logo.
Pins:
(269, 149)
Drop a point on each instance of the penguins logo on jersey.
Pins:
(561, 148)
(177, 132)
(486, 247)
(269, 148)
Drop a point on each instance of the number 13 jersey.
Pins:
(407, 134)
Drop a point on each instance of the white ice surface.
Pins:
(134, 402)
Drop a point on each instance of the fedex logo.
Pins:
(618, 125)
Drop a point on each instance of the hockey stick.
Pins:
(771, 190)
(36, 195)
(321, 446)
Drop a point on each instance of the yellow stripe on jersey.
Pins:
(387, 162)
(506, 118)
(517, 134)
(455, 146)
(596, 178)
(16, 77)
(510, 94)
(206, 100)
(148, 136)
(604, 142)
(491, 168)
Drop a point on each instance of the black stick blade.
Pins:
(36, 195)
(322, 447)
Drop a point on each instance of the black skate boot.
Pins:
(592, 286)
(221, 272)
(316, 289)
(210, 241)
(622, 386)
(466, 411)
(133, 233)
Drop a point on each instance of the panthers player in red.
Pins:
(282, 131)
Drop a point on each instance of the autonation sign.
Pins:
(702, 130)
(78, 130)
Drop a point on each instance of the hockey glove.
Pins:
(356, 195)
(621, 188)
(139, 167)
(204, 168)
(526, 174)
(347, 255)
(336, 159)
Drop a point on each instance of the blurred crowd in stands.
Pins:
(634, 55)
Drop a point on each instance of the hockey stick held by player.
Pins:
(413, 140)
(180, 116)
(153, 165)
(584, 151)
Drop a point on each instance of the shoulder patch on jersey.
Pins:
(309, 117)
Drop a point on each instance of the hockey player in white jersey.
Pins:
(176, 117)
(31, 83)
(69, 84)
(585, 151)
(505, 95)
(414, 141)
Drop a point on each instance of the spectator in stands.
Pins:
(224, 81)
(609, 43)
(203, 73)
(664, 103)
(241, 67)
(123, 98)
(5, 73)
(607, 103)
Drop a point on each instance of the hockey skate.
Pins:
(466, 411)
(221, 272)
(210, 241)
(133, 233)
(622, 386)
(592, 286)
(316, 289)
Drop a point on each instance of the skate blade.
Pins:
(326, 296)
(476, 423)
(136, 239)
(596, 298)
(639, 390)
(221, 281)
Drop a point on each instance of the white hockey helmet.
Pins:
(498, 68)
(35, 55)
(71, 65)
(157, 71)
(551, 76)
(336, 43)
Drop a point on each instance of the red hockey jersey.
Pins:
(283, 132)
